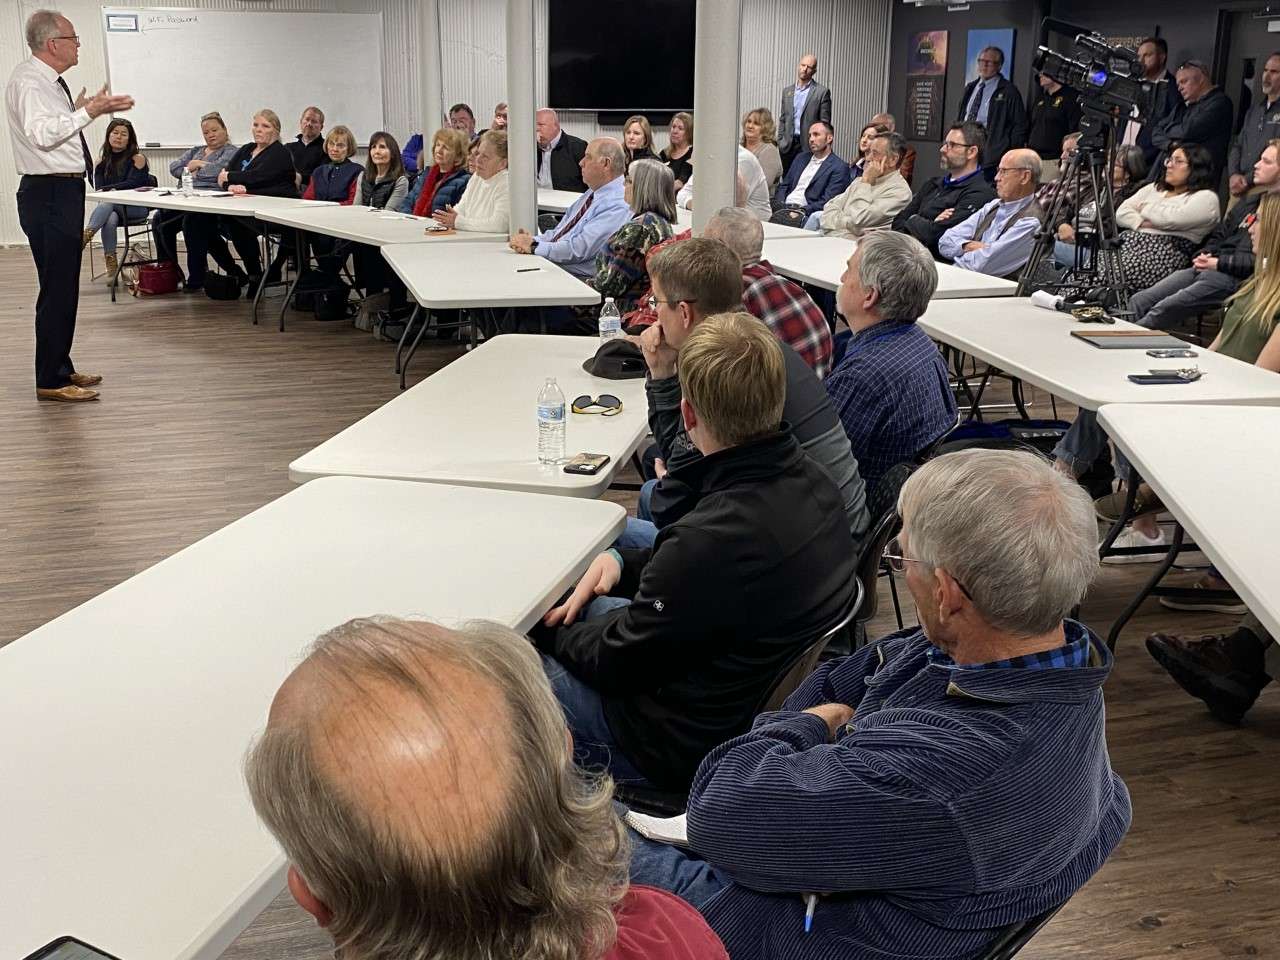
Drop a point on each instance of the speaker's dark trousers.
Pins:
(51, 212)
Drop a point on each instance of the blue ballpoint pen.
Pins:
(810, 905)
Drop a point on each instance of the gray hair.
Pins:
(534, 869)
(607, 148)
(895, 144)
(997, 50)
(42, 26)
(740, 230)
(897, 265)
(1018, 534)
(653, 189)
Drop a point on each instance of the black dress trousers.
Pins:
(51, 212)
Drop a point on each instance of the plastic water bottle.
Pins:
(188, 184)
(550, 423)
(610, 320)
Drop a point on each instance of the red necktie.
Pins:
(84, 146)
(576, 217)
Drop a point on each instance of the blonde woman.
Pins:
(444, 178)
(637, 140)
(679, 152)
(760, 136)
(338, 180)
(485, 206)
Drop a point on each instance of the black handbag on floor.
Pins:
(219, 286)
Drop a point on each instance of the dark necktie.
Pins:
(84, 146)
(574, 222)
(976, 101)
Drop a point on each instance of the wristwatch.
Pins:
(533, 246)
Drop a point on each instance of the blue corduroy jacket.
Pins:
(955, 802)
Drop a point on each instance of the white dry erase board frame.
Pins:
(179, 63)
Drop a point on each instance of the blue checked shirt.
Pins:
(576, 251)
(1072, 654)
(891, 392)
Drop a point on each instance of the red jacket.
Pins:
(656, 925)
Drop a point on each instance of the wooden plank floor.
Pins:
(201, 414)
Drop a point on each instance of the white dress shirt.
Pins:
(796, 197)
(544, 162)
(42, 124)
(752, 174)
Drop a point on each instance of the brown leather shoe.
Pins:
(1224, 670)
(85, 379)
(68, 394)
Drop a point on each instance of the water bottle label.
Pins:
(551, 412)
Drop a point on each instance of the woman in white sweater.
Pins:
(1164, 222)
(485, 206)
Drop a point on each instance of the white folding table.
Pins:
(474, 423)
(124, 818)
(1209, 466)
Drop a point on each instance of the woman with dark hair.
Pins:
(120, 167)
(869, 133)
(384, 183)
(1163, 222)
(1077, 213)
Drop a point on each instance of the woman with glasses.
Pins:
(649, 188)
(1077, 213)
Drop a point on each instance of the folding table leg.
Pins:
(408, 329)
(1127, 613)
(404, 368)
(297, 276)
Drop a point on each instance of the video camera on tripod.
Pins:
(1108, 79)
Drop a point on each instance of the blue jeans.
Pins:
(106, 217)
(674, 870)
(1064, 254)
(1084, 442)
(640, 531)
(812, 221)
(594, 747)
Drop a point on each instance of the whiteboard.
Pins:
(179, 64)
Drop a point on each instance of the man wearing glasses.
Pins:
(998, 238)
(50, 152)
(994, 102)
(952, 198)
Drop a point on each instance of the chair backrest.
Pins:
(802, 665)
(882, 502)
(1016, 936)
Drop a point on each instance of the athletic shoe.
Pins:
(1132, 537)
(1204, 603)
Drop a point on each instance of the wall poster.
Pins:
(926, 85)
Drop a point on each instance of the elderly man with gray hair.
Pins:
(940, 785)
(1000, 235)
(421, 783)
(891, 387)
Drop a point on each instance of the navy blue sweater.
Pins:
(956, 802)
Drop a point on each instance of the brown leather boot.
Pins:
(113, 266)
(85, 237)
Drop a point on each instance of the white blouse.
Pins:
(1190, 215)
(485, 206)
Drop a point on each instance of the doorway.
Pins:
(1250, 42)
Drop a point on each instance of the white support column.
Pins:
(717, 58)
(430, 83)
(521, 138)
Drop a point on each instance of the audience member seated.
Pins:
(1206, 121)
(471, 155)
(650, 191)
(682, 641)
(678, 153)
(1260, 126)
(121, 166)
(908, 165)
(782, 304)
(951, 198)
(1078, 212)
(753, 183)
(874, 199)
(307, 149)
(406, 770)
(941, 785)
(1225, 261)
(869, 133)
(1248, 334)
(559, 154)
(410, 155)
(383, 186)
(637, 140)
(337, 181)
(890, 388)
(463, 119)
(499, 121)
(994, 102)
(694, 279)
(444, 180)
(998, 238)
(1164, 222)
(204, 164)
(814, 178)
(262, 166)
(485, 206)
(760, 136)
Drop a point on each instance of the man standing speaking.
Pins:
(51, 154)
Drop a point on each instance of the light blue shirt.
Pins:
(798, 99)
(983, 92)
(1003, 253)
(206, 178)
(576, 250)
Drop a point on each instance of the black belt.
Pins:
(63, 176)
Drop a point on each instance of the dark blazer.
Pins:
(831, 180)
(726, 597)
(1206, 122)
(1006, 120)
(816, 107)
(565, 172)
(270, 173)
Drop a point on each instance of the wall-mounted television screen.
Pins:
(612, 55)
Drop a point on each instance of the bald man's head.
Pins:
(547, 123)
(420, 781)
(1018, 174)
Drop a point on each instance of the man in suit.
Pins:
(803, 103)
(813, 179)
(1206, 120)
(994, 102)
(1166, 102)
(559, 154)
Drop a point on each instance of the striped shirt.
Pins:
(956, 802)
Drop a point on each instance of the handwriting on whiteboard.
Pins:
(168, 21)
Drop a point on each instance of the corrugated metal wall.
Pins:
(850, 38)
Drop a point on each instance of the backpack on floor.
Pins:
(219, 286)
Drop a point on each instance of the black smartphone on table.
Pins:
(69, 948)
(587, 464)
